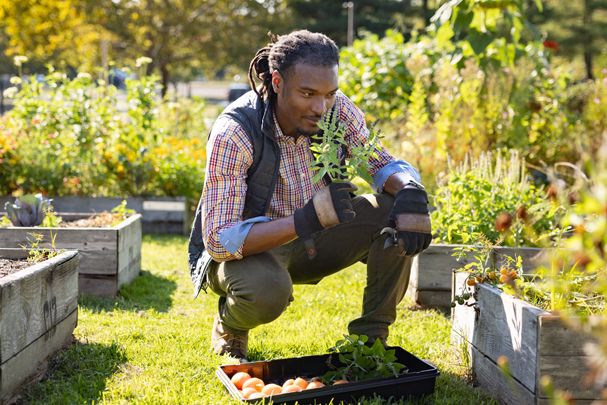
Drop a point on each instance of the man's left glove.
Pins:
(409, 217)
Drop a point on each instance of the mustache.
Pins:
(313, 117)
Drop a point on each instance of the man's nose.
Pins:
(318, 106)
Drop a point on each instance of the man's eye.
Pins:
(308, 94)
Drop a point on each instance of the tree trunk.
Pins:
(588, 60)
(164, 71)
(588, 43)
(425, 13)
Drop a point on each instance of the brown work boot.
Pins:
(372, 339)
(224, 342)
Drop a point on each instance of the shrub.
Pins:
(489, 197)
(68, 137)
(432, 100)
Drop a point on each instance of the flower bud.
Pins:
(552, 192)
(503, 222)
(521, 213)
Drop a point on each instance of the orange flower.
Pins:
(551, 45)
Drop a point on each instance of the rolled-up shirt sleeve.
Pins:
(381, 166)
(229, 155)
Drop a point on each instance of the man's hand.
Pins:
(410, 218)
(328, 207)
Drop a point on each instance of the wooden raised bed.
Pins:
(109, 257)
(430, 281)
(38, 313)
(535, 342)
(159, 214)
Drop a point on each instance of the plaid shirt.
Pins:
(230, 154)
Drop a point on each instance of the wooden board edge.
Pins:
(15, 373)
(489, 376)
(130, 220)
(38, 267)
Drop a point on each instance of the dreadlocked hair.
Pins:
(284, 52)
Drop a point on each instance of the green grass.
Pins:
(150, 345)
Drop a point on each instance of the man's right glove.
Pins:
(330, 206)
(409, 217)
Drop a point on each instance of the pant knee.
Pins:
(271, 300)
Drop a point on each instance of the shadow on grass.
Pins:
(148, 291)
(76, 375)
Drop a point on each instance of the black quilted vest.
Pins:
(255, 117)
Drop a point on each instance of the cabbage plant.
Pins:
(28, 210)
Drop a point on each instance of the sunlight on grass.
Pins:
(150, 345)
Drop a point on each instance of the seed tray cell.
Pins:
(419, 380)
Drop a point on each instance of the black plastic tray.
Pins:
(419, 381)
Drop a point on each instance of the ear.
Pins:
(277, 82)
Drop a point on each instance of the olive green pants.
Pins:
(258, 288)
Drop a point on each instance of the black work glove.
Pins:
(330, 206)
(409, 216)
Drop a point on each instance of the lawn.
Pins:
(150, 345)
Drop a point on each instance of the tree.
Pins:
(206, 34)
(579, 27)
(203, 34)
(375, 16)
(47, 31)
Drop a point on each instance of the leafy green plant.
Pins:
(68, 137)
(361, 362)
(35, 250)
(332, 141)
(470, 198)
(121, 212)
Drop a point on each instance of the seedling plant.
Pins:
(361, 362)
(327, 151)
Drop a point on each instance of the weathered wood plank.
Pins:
(508, 327)
(101, 286)
(433, 299)
(100, 262)
(129, 232)
(16, 371)
(567, 373)
(129, 255)
(560, 339)
(36, 299)
(504, 326)
(490, 377)
(80, 239)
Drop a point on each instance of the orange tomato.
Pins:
(257, 395)
(290, 381)
(340, 382)
(246, 393)
(504, 271)
(315, 384)
(513, 275)
(471, 282)
(492, 276)
(254, 382)
(239, 378)
(301, 383)
(272, 389)
(291, 388)
(503, 278)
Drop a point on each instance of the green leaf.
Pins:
(479, 41)
(444, 34)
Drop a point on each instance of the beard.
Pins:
(307, 132)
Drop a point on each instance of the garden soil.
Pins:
(10, 266)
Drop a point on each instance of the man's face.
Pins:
(303, 96)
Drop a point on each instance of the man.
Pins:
(263, 225)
